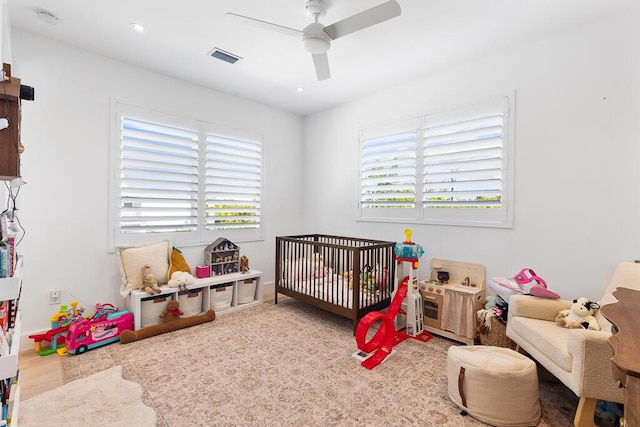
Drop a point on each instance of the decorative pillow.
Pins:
(133, 258)
(177, 263)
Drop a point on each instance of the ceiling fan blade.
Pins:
(321, 61)
(364, 19)
(264, 24)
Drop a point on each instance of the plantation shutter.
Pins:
(158, 177)
(457, 161)
(233, 183)
(463, 161)
(388, 167)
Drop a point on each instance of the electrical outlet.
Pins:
(54, 296)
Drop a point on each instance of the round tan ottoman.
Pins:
(495, 385)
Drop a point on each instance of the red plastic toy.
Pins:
(386, 337)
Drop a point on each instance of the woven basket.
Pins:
(151, 308)
(496, 335)
(246, 291)
(190, 302)
(221, 296)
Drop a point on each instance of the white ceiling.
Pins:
(429, 35)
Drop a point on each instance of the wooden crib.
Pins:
(344, 275)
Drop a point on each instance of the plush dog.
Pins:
(147, 282)
(580, 315)
(180, 279)
(172, 312)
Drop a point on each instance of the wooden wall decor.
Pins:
(10, 108)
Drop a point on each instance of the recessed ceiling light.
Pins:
(138, 27)
(47, 17)
(300, 89)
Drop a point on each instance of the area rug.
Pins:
(101, 399)
(291, 365)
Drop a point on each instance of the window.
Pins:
(182, 179)
(233, 183)
(158, 178)
(388, 173)
(450, 167)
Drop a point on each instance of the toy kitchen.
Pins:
(451, 298)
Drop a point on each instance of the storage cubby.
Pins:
(222, 293)
(150, 309)
(221, 296)
(191, 302)
(246, 291)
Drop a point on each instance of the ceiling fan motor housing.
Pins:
(314, 38)
(316, 8)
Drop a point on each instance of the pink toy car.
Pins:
(87, 334)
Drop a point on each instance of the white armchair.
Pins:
(579, 358)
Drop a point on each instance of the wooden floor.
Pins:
(38, 373)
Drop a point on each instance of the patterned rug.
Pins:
(291, 365)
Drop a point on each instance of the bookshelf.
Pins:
(10, 290)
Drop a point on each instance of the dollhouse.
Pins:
(222, 257)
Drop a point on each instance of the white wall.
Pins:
(577, 179)
(577, 184)
(64, 206)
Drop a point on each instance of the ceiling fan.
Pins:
(316, 38)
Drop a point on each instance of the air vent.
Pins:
(224, 56)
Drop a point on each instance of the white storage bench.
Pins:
(199, 297)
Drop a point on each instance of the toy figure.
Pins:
(580, 315)
(148, 283)
(172, 312)
(244, 264)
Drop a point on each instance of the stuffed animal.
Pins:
(244, 264)
(181, 279)
(172, 312)
(349, 276)
(380, 275)
(147, 282)
(497, 306)
(580, 315)
(177, 263)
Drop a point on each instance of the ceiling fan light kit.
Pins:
(316, 38)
